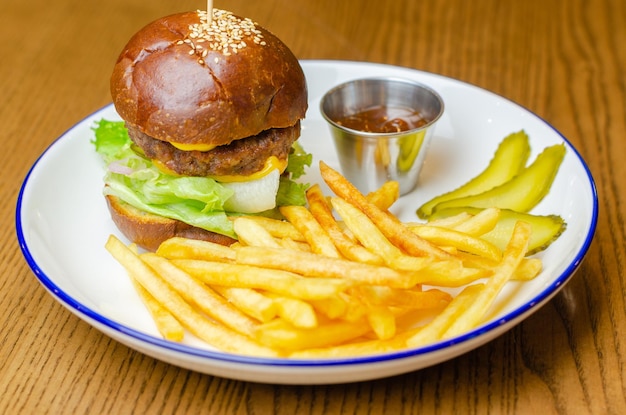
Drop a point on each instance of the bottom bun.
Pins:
(148, 230)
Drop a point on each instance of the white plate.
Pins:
(62, 224)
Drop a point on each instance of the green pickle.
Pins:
(545, 229)
(508, 185)
(508, 161)
(521, 193)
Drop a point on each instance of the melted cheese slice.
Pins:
(193, 147)
(271, 164)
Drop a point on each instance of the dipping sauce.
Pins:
(383, 119)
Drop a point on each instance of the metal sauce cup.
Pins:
(369, 159)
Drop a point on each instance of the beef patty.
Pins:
(240, 157)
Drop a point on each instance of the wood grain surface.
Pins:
(565, 60)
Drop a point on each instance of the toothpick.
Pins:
(209, 10)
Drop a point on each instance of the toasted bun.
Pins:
(148, 231)
(175, 86)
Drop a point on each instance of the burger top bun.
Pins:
(177, 81)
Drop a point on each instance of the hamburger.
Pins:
(211, 109)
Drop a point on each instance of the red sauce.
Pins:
(383, 119)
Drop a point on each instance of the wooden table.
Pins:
(564, 60)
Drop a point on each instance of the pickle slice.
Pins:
(509, 160)
(521, 193)
(545, 229)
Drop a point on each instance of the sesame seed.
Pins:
(224, 33)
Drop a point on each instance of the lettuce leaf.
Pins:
(198, 201)
(298, 161)
(291, 193)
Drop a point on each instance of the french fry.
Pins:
(297, 312)
(316, 287)
(382, 321)
(528, 268)
(250, 232)
(364, 229)
(177, 247)
(214, 334)
(451, 274)
(201, 295)
(363, 348)
(406, 263)
(433, 331)
(320, 266)
(461, 241)
(278, 228)
(249, 301)
(386, 195)
(513, 255)
(480, 223)
(450, 222)
(355, 348)
(288, 243)
(355, 308)
(315, 235)
(281, 335)
(332, 307)
(390, 226)
(373, 239)
(276, 281)
(166, 323)
(406, 299)
(321, 211)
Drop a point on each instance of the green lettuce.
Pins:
(291, 193)
(198, 201)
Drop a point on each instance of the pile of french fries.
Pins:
(340, 277)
